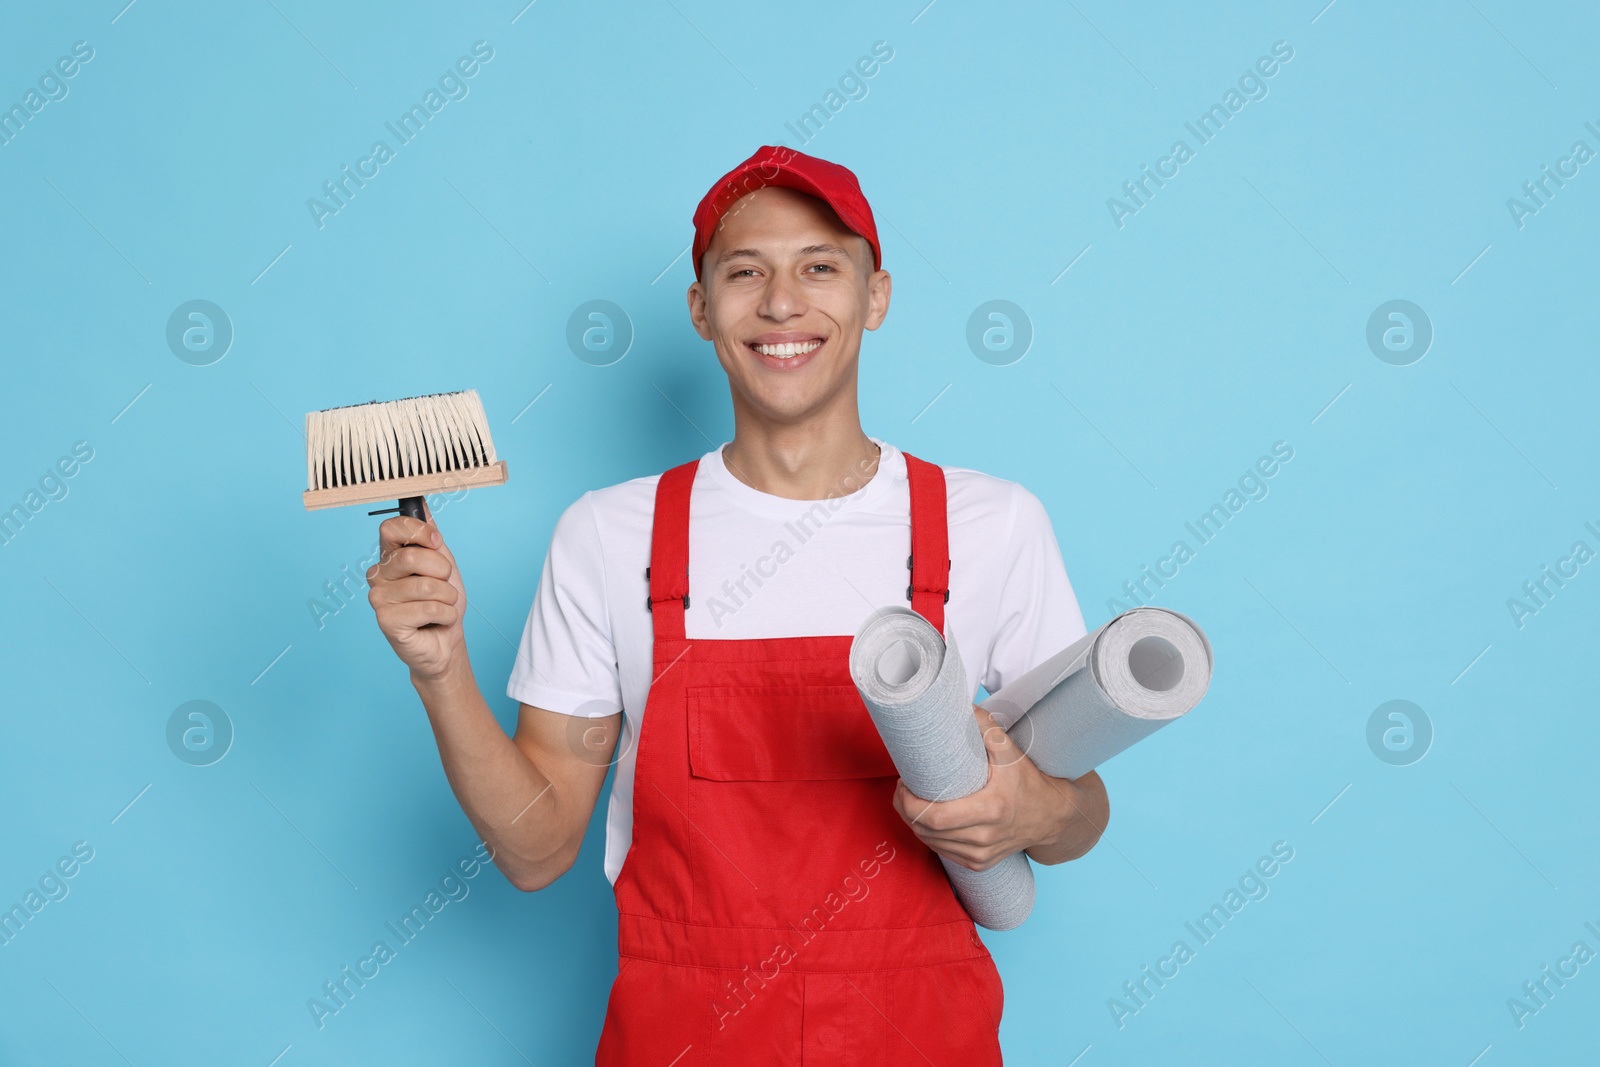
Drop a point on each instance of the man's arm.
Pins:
(529, 797)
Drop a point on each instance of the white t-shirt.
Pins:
(586, 647)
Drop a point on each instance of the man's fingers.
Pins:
(904, 798)
(994, 737)
(941, 818)
(1001, 749)
(957, 818)
(915, 810)
(970, 847)
(410, 559)
(415, 614)
(415, 588)
(404, 530)
(974, 854)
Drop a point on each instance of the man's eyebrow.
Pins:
(808, 250)
(812, 250)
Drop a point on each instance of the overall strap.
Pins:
(929, 561)
(668, 573)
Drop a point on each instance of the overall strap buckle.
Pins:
(651, 601)
(942, 584)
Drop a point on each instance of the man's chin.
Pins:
(778, 404)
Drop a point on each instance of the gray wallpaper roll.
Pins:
(916, 690)
(1074, 711)
(1111, 688)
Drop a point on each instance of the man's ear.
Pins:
(697, 310)
(878, 290)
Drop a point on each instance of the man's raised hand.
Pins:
(417, 594)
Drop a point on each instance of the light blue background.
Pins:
(1227, 314)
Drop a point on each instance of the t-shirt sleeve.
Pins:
(567, 661)
(1038, 612)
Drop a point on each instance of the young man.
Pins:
(779, 891)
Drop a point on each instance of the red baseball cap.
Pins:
(780, 165)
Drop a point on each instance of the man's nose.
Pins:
(782, 298)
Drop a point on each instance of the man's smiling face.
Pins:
(785, 291)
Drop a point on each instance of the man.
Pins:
(779, 891)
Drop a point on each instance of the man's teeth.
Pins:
(792, 348)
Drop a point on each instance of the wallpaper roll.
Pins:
(1106, 691)
(915, 688)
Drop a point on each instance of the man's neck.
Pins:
(802, 463)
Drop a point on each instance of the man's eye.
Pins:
(822, 266)
(744, 270)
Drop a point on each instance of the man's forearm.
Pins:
(1080, 811)
(514, 807)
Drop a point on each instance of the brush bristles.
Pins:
(407, 438)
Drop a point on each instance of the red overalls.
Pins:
(774, 909)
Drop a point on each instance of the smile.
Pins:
(792, 348)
